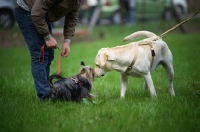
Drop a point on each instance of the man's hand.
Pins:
(51, 43)
(65, 49)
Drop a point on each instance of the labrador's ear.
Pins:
(103, 59)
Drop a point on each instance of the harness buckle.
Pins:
(129, 68)
(76, 81)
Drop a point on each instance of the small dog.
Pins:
(137, 59)
(73, 88)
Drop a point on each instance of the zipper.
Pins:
(75, 2)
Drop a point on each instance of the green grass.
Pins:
(21, 111)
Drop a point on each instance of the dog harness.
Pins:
(141, 43)
(76, 80)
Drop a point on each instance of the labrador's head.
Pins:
(103, 63)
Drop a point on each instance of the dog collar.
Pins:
(76, 80)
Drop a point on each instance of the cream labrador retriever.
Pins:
(137, 59)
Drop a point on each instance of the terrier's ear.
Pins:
(82, 70)
(82, 63)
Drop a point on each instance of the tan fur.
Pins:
(88, 73)
(139, 34)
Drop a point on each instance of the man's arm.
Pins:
(69, 29)
(38, 14)
(70, 24)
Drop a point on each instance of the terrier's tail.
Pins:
(54, 76)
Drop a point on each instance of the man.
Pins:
(92, 6)
(34, 18)
(131, 7)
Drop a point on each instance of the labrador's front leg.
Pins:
(124, 82)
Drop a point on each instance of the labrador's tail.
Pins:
(139, 34)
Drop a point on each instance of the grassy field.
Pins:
(138, 112)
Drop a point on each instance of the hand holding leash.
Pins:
(41, 57)
(51, 43)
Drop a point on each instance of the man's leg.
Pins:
(50, 59)
(50, 53)
(34, 40)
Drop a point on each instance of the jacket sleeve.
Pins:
(38, 14)
(70, 23)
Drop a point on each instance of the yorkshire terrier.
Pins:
(73, 88)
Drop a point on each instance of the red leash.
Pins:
(58, 68)
(42, 57)
(41, 54)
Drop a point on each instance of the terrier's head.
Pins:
(87, 72)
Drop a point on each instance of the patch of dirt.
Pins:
(15, 39)
(10, 39)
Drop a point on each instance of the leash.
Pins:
(58, 66)
(177, 25)
(41, 54)
(42, 57)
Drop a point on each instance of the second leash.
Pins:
(58, 68)
(41, 57)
